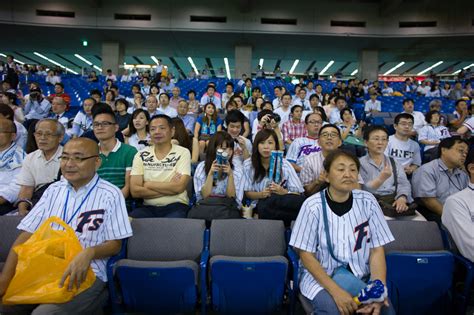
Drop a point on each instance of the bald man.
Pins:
(11, 159)
(95, 209)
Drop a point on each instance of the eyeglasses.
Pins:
(102, 124)
(315, 122)
(6, 131)
(75, 159)
(40, 134)
(329, 135)
(462, 152)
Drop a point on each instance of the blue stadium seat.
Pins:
(248, 270)
(162, 266)
(419, 269)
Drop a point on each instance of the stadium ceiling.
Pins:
(61, 44)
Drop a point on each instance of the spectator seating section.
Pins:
(78, 88)
(419, 269)
(248, 268)
(168, 263)
(161, 269)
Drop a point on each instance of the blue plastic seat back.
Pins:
(419, 269)
(420, 283)
(248, 287)
(378, 121)
(161, 270)
(248, 270)
(158, 290)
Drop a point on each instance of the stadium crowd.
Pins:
(154, 153)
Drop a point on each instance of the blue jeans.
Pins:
(323, 303)
(173, 210)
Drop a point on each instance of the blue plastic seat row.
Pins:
(169, 265)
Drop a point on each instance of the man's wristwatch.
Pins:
(28, 201)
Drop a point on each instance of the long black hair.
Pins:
(262, 135)
(217, 140)
(131, 127)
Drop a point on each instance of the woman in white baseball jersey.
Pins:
(357, 232)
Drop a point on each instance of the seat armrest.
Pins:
(203, 264)
(113, 292)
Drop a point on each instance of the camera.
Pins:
(271, 117)
(34, 95)
(276, 117)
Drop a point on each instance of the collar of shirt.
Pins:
(444, 168)
(82, 190)
(372, 162)
(55, 157)
(3, 153)
(10, 158)
(117, 146)
(471, 185)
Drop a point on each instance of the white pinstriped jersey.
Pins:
(312, 167)
(469, 123)
(352, 236)
(292, 182)
(102, 217)
(220, 188)
(300, 148)
(432, 133)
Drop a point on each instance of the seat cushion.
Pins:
(160, 265)
(248, 259)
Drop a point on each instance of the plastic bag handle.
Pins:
(54, 219)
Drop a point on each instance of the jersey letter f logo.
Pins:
(361, 233)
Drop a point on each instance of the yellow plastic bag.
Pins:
(42, 261)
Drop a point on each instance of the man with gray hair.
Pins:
(41, 167)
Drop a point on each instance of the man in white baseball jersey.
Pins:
(95, 209)
(312, 172)
(303, 147)
(356, 231)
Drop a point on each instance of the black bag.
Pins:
(280, 207)
(386, 201)
(211, 208)
(37, 194)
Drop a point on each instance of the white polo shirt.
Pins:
(36, 171)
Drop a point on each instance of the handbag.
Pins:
(280, 207)
(37, 194)
(212, 208)
(386, 201)
(343, 277)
